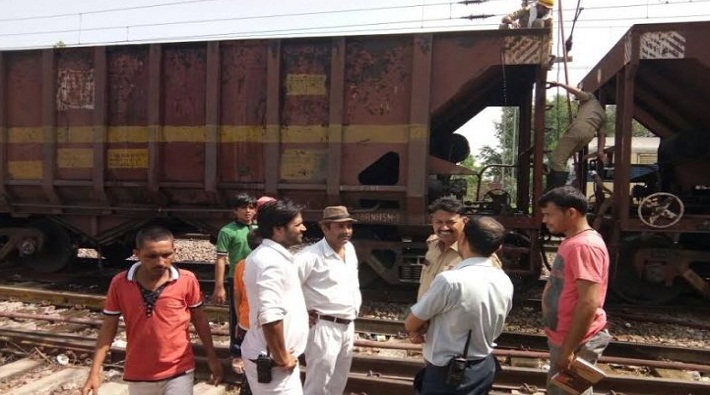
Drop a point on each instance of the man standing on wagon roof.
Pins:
(538, 15)
(328, 271)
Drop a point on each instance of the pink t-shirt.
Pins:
(580, 257)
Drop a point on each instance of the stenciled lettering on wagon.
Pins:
(136, 158)
(662, 45)
(377, 218)
(523, 50)
(305, 84)
(75, 90)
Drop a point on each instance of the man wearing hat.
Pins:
(534, 16)
(328, 271)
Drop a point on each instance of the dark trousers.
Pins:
(234, 348)
(477, 379)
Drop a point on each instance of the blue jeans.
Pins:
(477, 379)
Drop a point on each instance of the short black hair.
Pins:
(565, 197)
(152, 233)
(254, 239)
(242, 200)
(276, 215)
(485, 235)
(447, 204)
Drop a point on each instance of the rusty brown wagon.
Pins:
(97, 141)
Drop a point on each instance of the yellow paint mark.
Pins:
(304, 134)
(25, 135)
(241, 134)
(304, 165)
(136, 158)
(418, 132)
(305, 84)
(369, 134)
(184, 134)
(75, 158)
(76, 134)
(335, 133)
(127, 134)
(25, 169)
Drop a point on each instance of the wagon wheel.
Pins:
(661, 210)
(643, 283)
(51, 254)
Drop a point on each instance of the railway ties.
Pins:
(47, 378)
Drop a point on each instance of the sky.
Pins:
(601, 23)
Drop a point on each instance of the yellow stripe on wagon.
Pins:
(289, 134)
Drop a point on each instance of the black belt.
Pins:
(335, 319)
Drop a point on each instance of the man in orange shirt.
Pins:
(241, 304)
(158, 302)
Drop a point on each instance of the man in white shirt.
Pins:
(328, 271)
(462, 313)
(277, 310)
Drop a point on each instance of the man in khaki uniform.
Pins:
(590, 121)
(531, 17)
(447, 220)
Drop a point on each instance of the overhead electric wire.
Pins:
(128, 27)
(138, 7)
(337, 29)
(257, 17)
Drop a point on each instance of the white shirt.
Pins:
(473, 295)
(330, 286)
(274, 293)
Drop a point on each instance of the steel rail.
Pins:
(379, 326)
(371, 374)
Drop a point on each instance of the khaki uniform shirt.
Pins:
(438, 259)
(591, 111)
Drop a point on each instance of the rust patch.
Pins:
(304, 165)
(75, 90)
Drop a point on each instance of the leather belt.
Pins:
(335, 319)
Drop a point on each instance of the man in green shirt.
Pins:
(232, 247)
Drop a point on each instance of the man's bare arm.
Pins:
(107, 333)
(220, 294)
(582, 317)
(202, 327)
(274, 335)
(578, 93)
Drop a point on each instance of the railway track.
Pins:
(368, 375)
(390, 328)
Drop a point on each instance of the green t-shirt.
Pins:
(232, 242)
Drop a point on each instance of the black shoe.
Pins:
(556, 179)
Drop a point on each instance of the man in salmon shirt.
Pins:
(573, 299)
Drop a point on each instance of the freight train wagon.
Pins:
(656, 218)
(97, 141)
